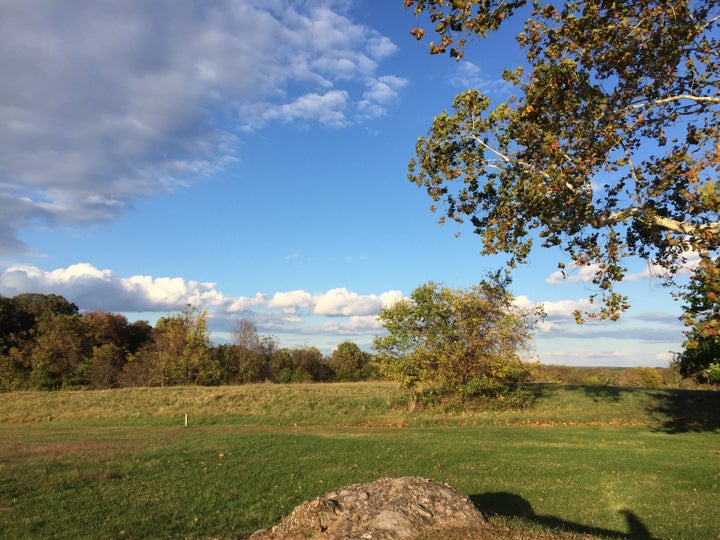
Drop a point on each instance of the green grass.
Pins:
(119, 464)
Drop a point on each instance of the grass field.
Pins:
(596, 461)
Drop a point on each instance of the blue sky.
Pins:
(250, 158)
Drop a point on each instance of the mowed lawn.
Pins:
(598, 461)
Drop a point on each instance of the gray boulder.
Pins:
(388, 508)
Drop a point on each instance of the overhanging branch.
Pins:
(664, 222)
(690, 97)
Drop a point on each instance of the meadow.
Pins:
(601, 462)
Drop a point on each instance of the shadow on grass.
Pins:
(676, 410)
(597, 393)
(673, 410)
(514, 506)
(683, 411)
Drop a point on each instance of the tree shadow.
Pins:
(605, 392)
(543, 389)
(512, 505)
(597, 393)
(675, 410)
(683, 411)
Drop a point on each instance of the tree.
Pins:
(103, 368)
(465, 343)
(350, 363)
(245, 335)
(58, 350)
(702, 317)
(181, 343)
(139, 333)
(15, 322)
(253, 352)
(21, 314)
(108, 328)
(42, 306)
(608, 146)
(281, 366)
(309, 365)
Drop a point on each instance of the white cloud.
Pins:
(337, 311)
(469, 75)
(329, 109)
(380, 47)
(573, 274)
(556, 309)
(94, 289)
(390, 297)
(365, 324)
(343, 302)
(292, 299)
(109, 102)
(379, 93)
(243, 303)
(338, 302)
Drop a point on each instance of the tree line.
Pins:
(47, 344)
(452, 347)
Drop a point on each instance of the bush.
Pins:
(457, 345)
(642, 377)
(713, 373)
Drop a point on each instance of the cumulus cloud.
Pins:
(94, 289)
(337, 311)
(292, 300)
(106, 103)
(343, 302)
(338, 302)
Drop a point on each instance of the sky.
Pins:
(249, 157)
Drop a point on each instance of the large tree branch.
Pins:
(709, 99)
(664, 222)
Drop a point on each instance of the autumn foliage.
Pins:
(607, 147)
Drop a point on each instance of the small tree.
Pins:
(462, 343)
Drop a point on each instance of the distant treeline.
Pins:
(637, 376)
(45, 343)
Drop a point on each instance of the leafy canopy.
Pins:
(465, 343)
(608, 146)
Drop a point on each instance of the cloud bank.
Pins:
(336, 311)
(103, 103)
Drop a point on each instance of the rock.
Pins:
(388, 508)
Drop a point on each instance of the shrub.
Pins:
(459, 343)
(713, 373)
(641, 376)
